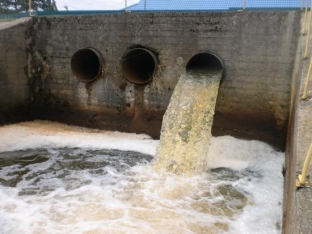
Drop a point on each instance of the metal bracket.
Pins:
(301, 182)
(299, 185)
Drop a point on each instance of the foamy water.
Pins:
(85, 181)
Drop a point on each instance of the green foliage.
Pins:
(17, 6)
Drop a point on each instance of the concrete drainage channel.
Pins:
(139, 65)
(253, 101)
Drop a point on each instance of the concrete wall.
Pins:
(13, 67)
(297, 196)
(291, 219)
(257, 49)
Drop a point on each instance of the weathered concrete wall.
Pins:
(13, 65)
(290, 212)
(298, 197)
(257, 48)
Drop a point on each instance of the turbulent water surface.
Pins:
(57, 178)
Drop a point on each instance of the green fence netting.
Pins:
(181, 5)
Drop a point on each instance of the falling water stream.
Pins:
(57, 179)
(186, 128)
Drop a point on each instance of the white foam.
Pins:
(138, 200)
(227, 151)
(264, 210)
(45, 134)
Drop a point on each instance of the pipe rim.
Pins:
(78, 74)
(212, 54)
(148, 61)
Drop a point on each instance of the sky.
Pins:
(93, 4)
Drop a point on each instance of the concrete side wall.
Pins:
(257, 89)
(298, 197)
(257, 48)
(13, 65)
(290, 212)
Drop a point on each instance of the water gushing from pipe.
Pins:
(186, 129)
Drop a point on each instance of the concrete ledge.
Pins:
(298, 201)
(11, 23)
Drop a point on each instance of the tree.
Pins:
(17, 6)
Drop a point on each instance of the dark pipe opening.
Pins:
(206, 61)
(87, 64)
(139, 65)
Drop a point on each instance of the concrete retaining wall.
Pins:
(257, 49)
(13, 68)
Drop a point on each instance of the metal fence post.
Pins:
(302, 178)
(308, 34)
(305, 90)
(29, 8)
(244, 4)
(305, 18)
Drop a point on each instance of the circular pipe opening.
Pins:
(139, 65)
(87, 64)
(206, 61)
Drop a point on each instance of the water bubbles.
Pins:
(100, 190)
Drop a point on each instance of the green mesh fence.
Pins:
(224, 5)
(182, 5)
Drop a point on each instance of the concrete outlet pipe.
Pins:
(206, 61)
(139, 65)
(87, 64)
